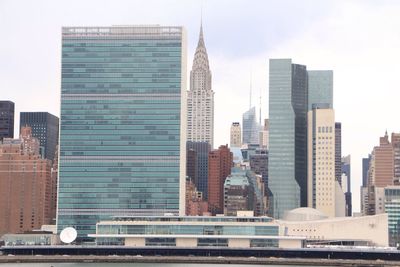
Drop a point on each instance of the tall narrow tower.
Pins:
(200, 120)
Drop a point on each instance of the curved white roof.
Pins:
(304, 214)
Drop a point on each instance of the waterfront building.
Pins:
(25, 185)
(194, 231)
(201, 149)
(323, 187)
(318, 229)
(236, 194)
(123, 124)
(303, 227)
(236, 135)
(6, 119)
(45, 128)
(200, 101)
(346, 185)
(220, 162)
(250, 127)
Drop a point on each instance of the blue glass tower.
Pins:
(123, 114)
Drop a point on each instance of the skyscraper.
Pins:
(236, 135)
(287, 135)
(293, 91)
(200, 119)
(45, 128)
(6, 119)
(123, 123)
(250, 127)
(25, 185)
(201, 149)
(219, 167)
(322, 184)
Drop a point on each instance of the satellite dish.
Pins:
(68, 235)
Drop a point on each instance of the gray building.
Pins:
(293, 90)
(45, 128)
(201, 150)
(6, 119)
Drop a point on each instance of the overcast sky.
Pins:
(358, 40)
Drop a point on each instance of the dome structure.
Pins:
(304, 214)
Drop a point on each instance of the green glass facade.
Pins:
(121, 103)
(392, 208)
(287, 166)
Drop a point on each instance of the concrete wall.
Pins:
(186, 242)
(135, 241)
(373, 228)
(238, 243)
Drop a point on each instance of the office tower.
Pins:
(338, 152)
(6, 119)
(200, 102)
(45, 128)
(383, 167)
(236, 194)
(201, 149)
(264, 135)
(25, 185)
(322, 184)
(396, 157)
(250, 127)
(123, 124)
(287, 135)
(259, 164)
(346, 185)
(236, 135)
(365, 166)
(220, 162)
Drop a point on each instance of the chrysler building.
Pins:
(200, 123)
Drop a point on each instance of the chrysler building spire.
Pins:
(200, 97)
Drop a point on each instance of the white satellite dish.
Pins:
(68, 235)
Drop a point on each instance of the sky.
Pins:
(358, 40)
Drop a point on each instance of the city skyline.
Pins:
(370, 49)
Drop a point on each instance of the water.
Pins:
(134, 265)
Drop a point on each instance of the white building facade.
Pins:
(200, 105)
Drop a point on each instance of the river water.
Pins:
(133, 265)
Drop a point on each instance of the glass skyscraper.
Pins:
(293, 90)
(250, 127)
(288, 135)
(123, 113)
